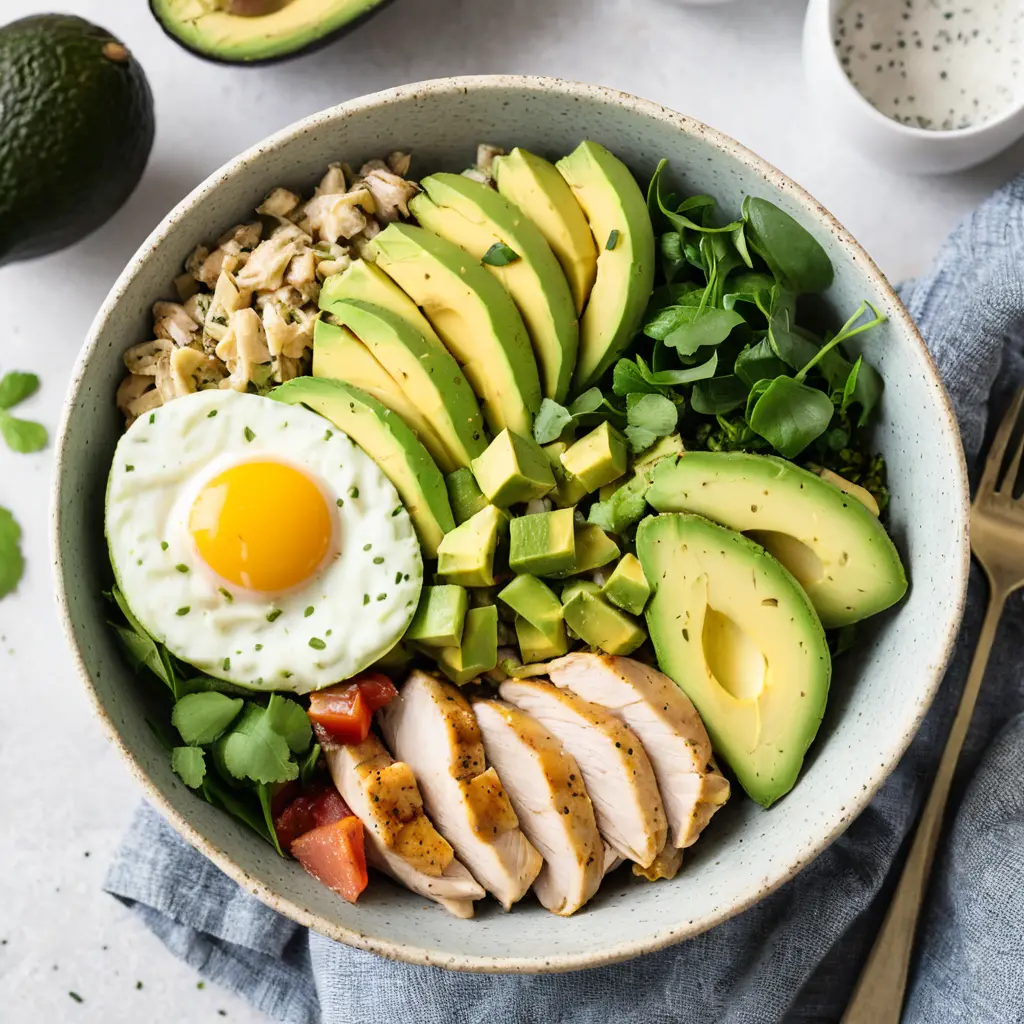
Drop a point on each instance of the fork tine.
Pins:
(1013, 470)
(994, 461)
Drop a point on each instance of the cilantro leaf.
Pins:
(190, 764)
(289, 720)
(201, 718)
(263, 792)
(22, 435)
(590, 401)
(255, 750)
(12, 565)
(688, 328)
(625, 506)
(550, 421)
(649, 417)
(15, 387)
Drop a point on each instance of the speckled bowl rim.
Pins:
(834, 823)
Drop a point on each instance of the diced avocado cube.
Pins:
(465, 556)
(594, 548)
(598, 624)
(542, 543)
(440, 616)
(627, 587)
(536, 603)
(661, 449)
(396, 660)
(479, 650)
(536, 645)
(568, 490)
(570, 590)
(513, 469)
(465, 497)
(597, 459)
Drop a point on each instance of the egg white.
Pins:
(363, 597)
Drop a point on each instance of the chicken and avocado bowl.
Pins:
(491, 529)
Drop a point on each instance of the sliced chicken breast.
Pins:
(616, 771)
(668, 726)
(545, 787)
(665, 865)
(432, 728)
(400, 839)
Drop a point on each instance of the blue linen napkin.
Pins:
(796, 955)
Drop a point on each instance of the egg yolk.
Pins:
(262, 525)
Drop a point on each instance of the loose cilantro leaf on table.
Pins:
(190, 764)
(15, 387)
(12, 565)
(20, 435)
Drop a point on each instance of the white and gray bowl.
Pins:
(880, 692)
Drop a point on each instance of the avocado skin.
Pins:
(217, 58)
(76, 131)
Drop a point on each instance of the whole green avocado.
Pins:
(76, 130)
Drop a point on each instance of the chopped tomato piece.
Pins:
(343, 712)
(334, 855)
(377, 689)
(320, 805)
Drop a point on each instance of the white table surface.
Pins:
(65, 796)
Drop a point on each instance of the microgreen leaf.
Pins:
(759, 362)
(255, 750)
(649, 417)
(704, 204)
(201, 718)
(793, 254)
(851, 384)
(688, 328)
(625, 506)
(550, 421)
(673, 378)
(266, 806)
(289, 720)
(22, 435)
(719, 395)
(499, 255)
(590, 401)
(190, 764)
(790, 415)
(12, 565)
(15, 387)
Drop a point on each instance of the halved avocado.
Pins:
(838, 551)
(475, 318)
(739, 636)
(339, 355)
(477, 219)
(258, 31)
(384, 436)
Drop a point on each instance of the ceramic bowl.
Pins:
(880, 692)
(886, 142)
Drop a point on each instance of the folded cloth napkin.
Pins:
(796, 955)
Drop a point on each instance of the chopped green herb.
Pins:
(77, 998)
(397, 511)
(499, 255)
(353, 492)
(129, 468)
(181, 567)
(152, 419)
(258, 647)
(249, 435)
(183, 611)
(366, 598)
(211, 414)
(381, 597)
(379, 560)
(227, 595)
(398, 577)
(273, 615)
(308, 612)
(340, 502)
(164, 545)
(226, 665)
(316, 643)
(328, 434)
(613, 239)
(366, 547)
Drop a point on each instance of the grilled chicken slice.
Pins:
(668, 726)
(665, 865)
(545, 786)
(431, 727)
(400, 840)
(616, 771)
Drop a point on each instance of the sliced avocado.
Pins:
(478, 652)
(339, 355)
(513, 469)
(465, 496)
(425, 371)
(536, 187)
(737, 633)
(440, 617)
(627, 587)
(594, 548)
(476, 218)
(386, 438)
(475, 318)
(466, 555)
(599, 458)
(600, 625)
(258, 31)
(617, 213)
(838, 551)
(536, 603)
(536, 645)
(543, 543)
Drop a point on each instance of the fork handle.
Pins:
(878, 997)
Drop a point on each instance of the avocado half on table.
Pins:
(259, 31)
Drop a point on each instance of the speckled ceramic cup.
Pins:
(880, 692)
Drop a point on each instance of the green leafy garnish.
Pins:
(12, 565)
(289, 720)
(190, 764)
(254, 749)
(613, 239)
(201, 718)
(793, 254)
(499, 255)
(552, 419)
(20, 435)
(263, 793)
(649, 417)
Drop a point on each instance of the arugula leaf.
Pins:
(688, 328)
(550, 421)
(12, 565)
(190, 764)
(790, 415)
(649, 417)
(289, 719)
(793, 254)
(263, 792)
(15, 387)
(308, 764)
(499, 255)
(255, 750)
(201, 718)
(718, 395)
(22, 435)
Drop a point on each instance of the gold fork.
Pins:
(997, 540)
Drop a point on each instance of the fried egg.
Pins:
(258, 543)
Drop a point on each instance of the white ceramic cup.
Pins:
(896, 146)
